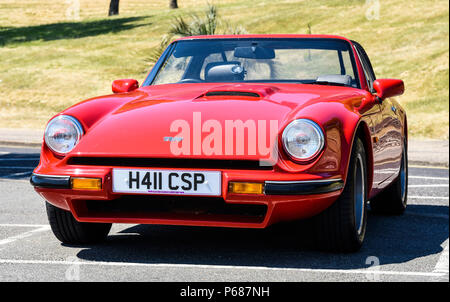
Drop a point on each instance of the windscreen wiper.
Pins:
(328, 83)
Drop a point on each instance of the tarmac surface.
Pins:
(411, 247)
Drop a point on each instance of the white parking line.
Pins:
(22, 225)
(429, 197)
(16, 167)
(18, 159)
(442, 264)
(429, 186)
(24, 235)
(427, 177)
(428, 167)
(204, 266)
(17, 174)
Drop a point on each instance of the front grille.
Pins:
(169, 163)
(172, 207)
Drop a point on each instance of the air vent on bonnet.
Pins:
(248, 90)
(233, 93)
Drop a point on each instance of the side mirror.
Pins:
(125, 85)
(387, 88)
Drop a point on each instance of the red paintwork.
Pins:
(133, 124)
(388, 88)
(125, 85)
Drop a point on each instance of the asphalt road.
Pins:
(412, 247)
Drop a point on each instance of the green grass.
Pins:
(48, 63)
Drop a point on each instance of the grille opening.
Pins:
(169, 163)
(233, 93)
(172, 207)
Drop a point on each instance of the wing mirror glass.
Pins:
(124, 85)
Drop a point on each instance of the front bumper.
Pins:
(306, 187)
(283, 200)
(50, 181)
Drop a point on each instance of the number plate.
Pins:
(170, 182)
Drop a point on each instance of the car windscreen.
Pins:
(297, 60)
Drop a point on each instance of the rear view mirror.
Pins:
(125, 85)
(387, 88)
(254, 52)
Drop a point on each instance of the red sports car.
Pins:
(232, 131)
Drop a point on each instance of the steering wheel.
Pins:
(190, 81)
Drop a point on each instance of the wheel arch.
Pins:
(362, 131)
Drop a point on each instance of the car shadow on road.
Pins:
(393, 239)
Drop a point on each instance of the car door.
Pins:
(387, 131)
(390, 134)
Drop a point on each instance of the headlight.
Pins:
(303, 139)
(62, 134)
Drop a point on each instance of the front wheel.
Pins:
(342, 227)
(70, 231)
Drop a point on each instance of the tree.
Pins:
(113, 8)
(173, 4)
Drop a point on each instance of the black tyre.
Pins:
(342, 227)
(70, 231)
(393, 200)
